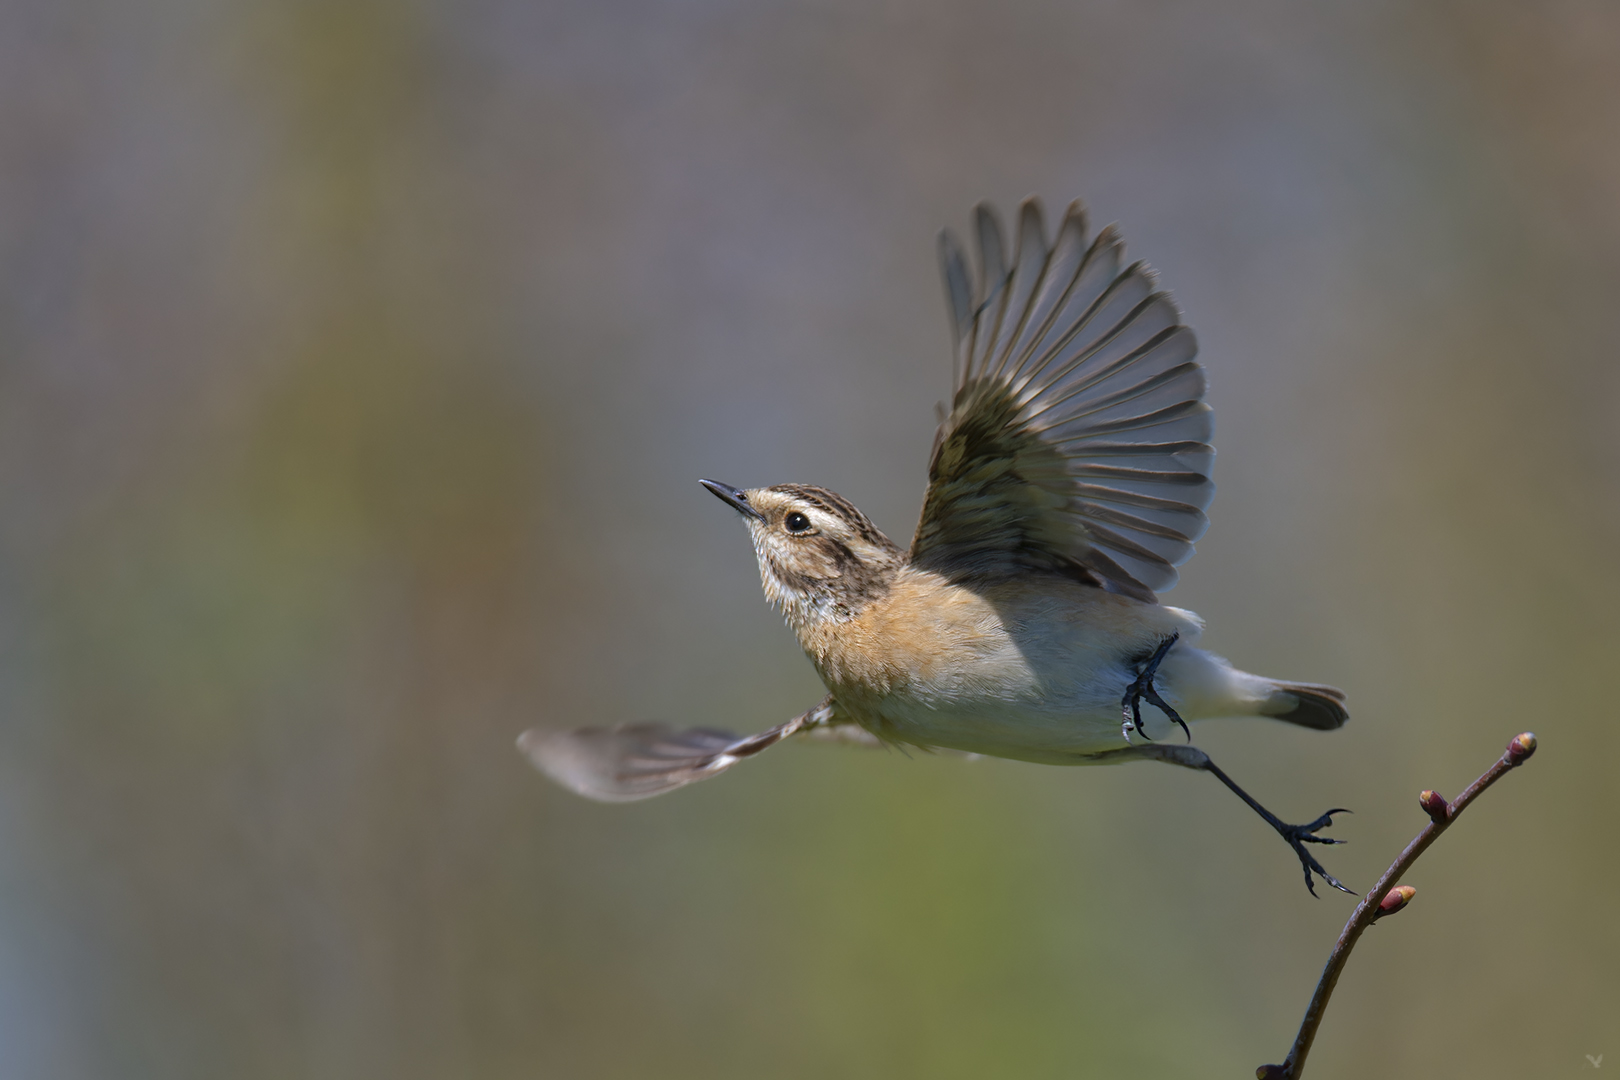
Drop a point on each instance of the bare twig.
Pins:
(1386, 898)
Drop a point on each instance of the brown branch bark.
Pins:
(1388, 897)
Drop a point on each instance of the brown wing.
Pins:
(1078, 435)
(638, 761)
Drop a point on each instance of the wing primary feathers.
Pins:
(1127, 472)
(1064, 263)
(1147, 326)
(992, 255)
(1051, 370)
(958, 297)
(1123, 545)
(1098, 277)
(1078, 433)
(1092, 493)
(638, 761)
(1187, 371)
(1030, 260)
(992, 306)
(1165, 415)
(1100, 518)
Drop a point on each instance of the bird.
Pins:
(1067, 481)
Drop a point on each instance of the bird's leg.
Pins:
(1142, 688)
(1190, 757)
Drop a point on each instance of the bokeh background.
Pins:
(358, 359)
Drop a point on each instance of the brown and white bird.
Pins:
(1067, 483)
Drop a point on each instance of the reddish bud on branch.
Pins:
(1394, 900)
(1520, 749)
(1434, 804)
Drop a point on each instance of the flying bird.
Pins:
(1067, 482)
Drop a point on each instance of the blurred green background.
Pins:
(358, 359)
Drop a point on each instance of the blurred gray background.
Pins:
(358, 359)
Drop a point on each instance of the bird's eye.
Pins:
(796, 522)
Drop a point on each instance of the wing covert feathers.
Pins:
(1078, 438)
(638, 761)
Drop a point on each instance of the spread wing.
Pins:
(1078, 436)
(638, 761)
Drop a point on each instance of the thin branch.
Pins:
(1387, 897)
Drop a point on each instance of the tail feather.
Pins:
(1310, 705)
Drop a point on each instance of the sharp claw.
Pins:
(1143, 687)
(1153, 696)
(1336, 883)
(1300, 835)
(1307, 832)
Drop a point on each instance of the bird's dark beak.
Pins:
(732, 497)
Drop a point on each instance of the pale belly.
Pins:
(1002, 706)
(1034, 673)
(1024, 731)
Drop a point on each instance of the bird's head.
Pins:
(819, 557)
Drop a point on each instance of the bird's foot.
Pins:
(1142, 690)
(1300, 835)
(1296, 835)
